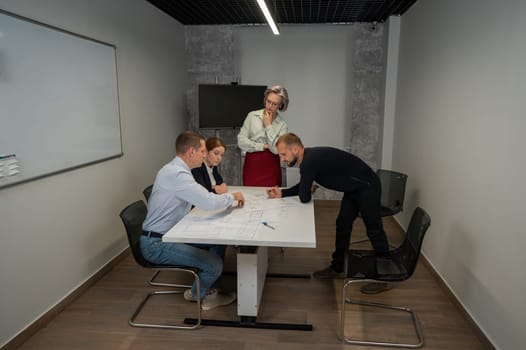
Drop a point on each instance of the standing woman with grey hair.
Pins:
(257, 137)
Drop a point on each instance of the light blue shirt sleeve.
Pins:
(173, 194)
(192, 192)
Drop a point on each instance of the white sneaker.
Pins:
(188, 296)
(218, 299)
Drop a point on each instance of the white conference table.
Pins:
(291, 225)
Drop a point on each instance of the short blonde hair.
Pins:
(280, 91)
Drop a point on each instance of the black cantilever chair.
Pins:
(133, 216)
(393, 193)
(147, 192)
(361, 268)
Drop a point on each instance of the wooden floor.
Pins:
(98, 319)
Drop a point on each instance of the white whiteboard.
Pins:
(59, 106)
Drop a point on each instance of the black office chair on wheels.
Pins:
(133, 216)
(361, 268)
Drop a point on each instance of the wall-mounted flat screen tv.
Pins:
(226, 106)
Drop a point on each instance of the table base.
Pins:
(250, 322)
(274, 274)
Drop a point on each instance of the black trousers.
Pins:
(367, 203)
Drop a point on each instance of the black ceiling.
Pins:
(197, 12)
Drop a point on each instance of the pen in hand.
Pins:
(268, 225)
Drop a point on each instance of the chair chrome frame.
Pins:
(348, 283)
(137, 311)
(152, 282)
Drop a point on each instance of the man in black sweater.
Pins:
(344, 172)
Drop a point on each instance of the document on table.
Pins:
(238, 222)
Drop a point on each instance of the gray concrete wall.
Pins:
(368, 86)
(210, 60)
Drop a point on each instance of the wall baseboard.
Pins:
(43, 320)
(451, 296)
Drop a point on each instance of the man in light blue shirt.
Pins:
(173, 194)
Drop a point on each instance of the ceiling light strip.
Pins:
(268, 17)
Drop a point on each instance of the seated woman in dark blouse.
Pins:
(208, 175)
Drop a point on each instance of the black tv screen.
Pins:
(226, 106)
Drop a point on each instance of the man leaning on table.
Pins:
(173, 194)
(344, 172)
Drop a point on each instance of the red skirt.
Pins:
(261, 169)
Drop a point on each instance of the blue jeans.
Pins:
(206, 257)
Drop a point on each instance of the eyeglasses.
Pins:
(273, 104)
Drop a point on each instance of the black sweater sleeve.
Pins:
(292, 191)
(304, 187)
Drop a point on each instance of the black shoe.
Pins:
(328, 273)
